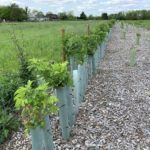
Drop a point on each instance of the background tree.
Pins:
(91, 17)
(83, 16)
(4, 13)
(37, 14)
(104, 16)
(70, 15)
(13, 13)
(131, 15)
(63, 15)
(121, 16)
(40, 14)
(27, 10)
(48, 14)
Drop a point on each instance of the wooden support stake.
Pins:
(76, 90)
(90, 67)
(80, 82)
(88, 29)
(71, 111)
(63, 45)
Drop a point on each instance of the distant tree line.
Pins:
(131, 15)
(16, 13)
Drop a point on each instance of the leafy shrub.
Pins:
(74, 47)
(35, 104)
(101, 35)
(79, 46)
(91, 42)
(60, 76)
(40, 67)
(104, 27)
(24, 73)
(8, 85)
(111, 23)
(101, 31)
(8, 123)
(56, 74)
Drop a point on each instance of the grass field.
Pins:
(141, 23)
(38, 39)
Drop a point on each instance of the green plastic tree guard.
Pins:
(102, 49)
(90, 67)
(42, 138)
(71, 111)
(105, 43)
(99, 56)
(93, 65)
(63, 112)
(76, 90)
(86, 76)
(110, 33)
(96, 61)
(80, 82)
(73, 64)
(106, 38)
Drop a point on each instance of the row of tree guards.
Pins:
(70, 96)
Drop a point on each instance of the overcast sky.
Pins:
(95, 7)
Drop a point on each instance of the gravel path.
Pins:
(116, 111)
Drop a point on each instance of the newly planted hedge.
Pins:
(80, 46)
(35, 100)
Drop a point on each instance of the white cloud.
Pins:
(87, 5)
(95, 7)
(120, 2)
(8, 2)
(55, 1)
(60, 9)
(113, 6)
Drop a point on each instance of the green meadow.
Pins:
(140, 23)
(37, 39)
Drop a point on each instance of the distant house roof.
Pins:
(53, 17)
(34, 18)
